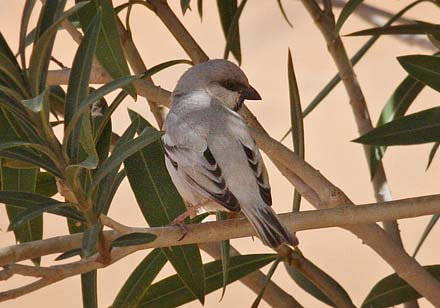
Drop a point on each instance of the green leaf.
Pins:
(37, 147)
(78, 86)
(423, 68)
(184, 5)
(392, 290)
(396, 107)
(106, 118)
(90, 238)
(200, 8)
(135, 238)
(225, 248)
(348, 8)
(28, 214)
(121, 154)
(354, 60)
(428, 229)
(91, 99)
(12, 77)
(432, 154)
(107, 190)
(69, 254)
(171, 292)
(46, 184)
(21, 180)
(266, 281)
(418, 28)
(25, 200)
(297, 123)
(25, 17)
(420, 127)
(308, 286)
(160, 203)
(109, 49)
(140, 280)
(89, 286)
(229, 16)
(28, 156)
(283, 12)
(40, 56)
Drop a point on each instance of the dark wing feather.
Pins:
(256, 163)
(203, 173)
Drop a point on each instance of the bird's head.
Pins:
(221, 79)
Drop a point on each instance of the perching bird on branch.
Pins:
(210, 154)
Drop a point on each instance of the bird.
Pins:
(210, 154)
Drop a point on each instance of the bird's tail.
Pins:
(269, 229)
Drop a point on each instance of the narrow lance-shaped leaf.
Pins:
(297, 123)
(347, 10)
(428, 229)
(119, 155)
(136, 238)
(21, 180)
(418, 28)
(78, 86)
(269, 275)
(159, 294)
(26, 200)
(140, 280)
(225, 248)
(90, 238)
(393, 291)
(423, 68)
(417, 128)
(27, 215)
(308, 286)
(42, 49)
(95, 96)
(354, 60)
(283, 12)
(200, 8)
(109, 49)
(432, 154)
(89, 288)
(25, 17)
(184, 5)
(227, 11)
(396, 106)
(160, 203)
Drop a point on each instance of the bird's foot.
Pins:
(180, 220)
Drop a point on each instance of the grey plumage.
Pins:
(210, 154)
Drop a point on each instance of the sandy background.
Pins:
(329, 129)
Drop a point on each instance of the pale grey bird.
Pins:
(210, 154)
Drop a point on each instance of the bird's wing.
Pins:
(257, 165)
(189, 154)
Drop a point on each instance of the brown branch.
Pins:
(396, 257)
(349, 217)
(345, 216)
(336, 48)
(138, 66)
(170, 20)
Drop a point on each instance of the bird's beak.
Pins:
(250, 93)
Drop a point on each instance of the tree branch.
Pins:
(345, 216)
(336, 48)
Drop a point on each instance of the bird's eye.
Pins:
(231, 85)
